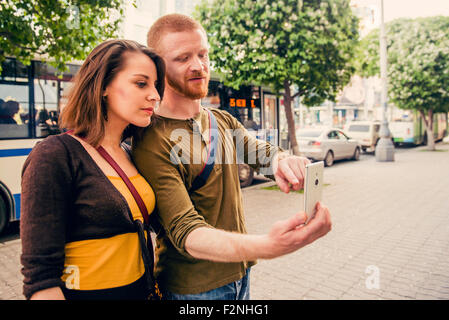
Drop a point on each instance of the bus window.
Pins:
(14, 111)
(14, 71)
(48, 86)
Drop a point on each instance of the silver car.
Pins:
(327, 144)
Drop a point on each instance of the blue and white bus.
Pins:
(30, 100)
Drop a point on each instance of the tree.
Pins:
(303, 45)
(57, 30)
(418, 65)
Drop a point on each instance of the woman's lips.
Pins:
(149, 110)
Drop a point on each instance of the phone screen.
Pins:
(313, 187)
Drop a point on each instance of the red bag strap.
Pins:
(132, 189)
(122, 174)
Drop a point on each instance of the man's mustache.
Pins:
(198, 74)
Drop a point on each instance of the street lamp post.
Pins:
(384, 148)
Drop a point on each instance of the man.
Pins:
(203, 251)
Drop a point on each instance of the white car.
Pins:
(365, 132)
(327, 144)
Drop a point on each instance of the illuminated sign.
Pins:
(243, 103)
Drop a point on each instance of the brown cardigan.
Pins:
(65, 197)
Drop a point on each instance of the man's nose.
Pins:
(197, 64)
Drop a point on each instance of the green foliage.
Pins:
(418, 62)
(306, 43)
(56, 30)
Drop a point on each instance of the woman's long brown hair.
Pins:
(86, 110)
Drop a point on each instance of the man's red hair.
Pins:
(170, 23)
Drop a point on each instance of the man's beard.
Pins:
(186, 89)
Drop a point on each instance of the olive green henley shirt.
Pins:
(170, 155)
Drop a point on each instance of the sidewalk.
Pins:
(390, 223)
(390, 233)
(10, 276)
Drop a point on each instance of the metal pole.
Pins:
(384, 148)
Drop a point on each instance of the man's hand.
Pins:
(291, 234)
(284, 237)
(290, 171)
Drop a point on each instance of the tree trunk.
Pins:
(428, 122)
(289, 113)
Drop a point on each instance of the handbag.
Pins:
(147, 249)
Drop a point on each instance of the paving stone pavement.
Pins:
(390, 235)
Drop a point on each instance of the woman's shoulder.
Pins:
(51, 154)
(53, 148)
(50, 144)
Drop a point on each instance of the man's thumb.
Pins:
(294, 221)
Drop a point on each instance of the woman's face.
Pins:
(132, 96)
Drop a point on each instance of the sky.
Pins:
(409, 8)
(394, 9)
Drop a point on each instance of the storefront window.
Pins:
(283, 126)
(270, 111)
(270, 119)
(243, 104)
(252, 120)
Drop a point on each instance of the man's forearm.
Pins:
(223, 246)
(285, 236)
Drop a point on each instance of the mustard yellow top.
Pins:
(110, 262)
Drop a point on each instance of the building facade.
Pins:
(138, 19)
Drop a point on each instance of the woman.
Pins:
(80, 223)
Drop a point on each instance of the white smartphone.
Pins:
(313, 187)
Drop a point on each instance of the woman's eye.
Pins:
(141, 84)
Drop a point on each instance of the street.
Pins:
(389, 240)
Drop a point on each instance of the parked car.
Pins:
(365, 132)
(327, 144)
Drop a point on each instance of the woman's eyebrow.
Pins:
(141, 75)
